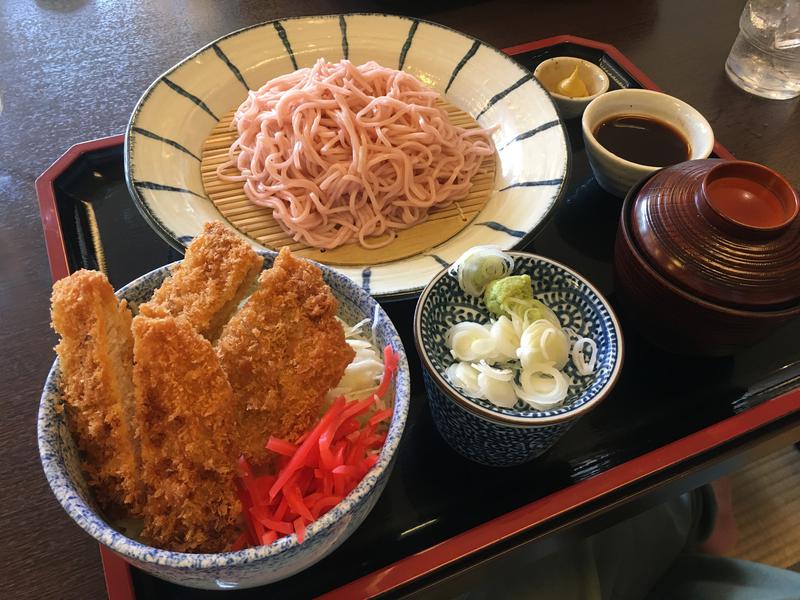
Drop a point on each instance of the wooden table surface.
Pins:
(72, 70)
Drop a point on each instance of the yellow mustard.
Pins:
(572, 86)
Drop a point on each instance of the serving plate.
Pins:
(164, 139)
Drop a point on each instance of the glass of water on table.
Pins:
(765, 58)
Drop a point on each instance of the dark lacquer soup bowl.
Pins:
(707, 256)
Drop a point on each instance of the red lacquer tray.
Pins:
(441, 515)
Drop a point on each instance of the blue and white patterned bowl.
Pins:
(498, 436)
(254, 566)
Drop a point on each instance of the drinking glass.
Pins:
(765, 58)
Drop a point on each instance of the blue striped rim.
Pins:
(407, 45)
(365, 275)
(171, 237)
(345, 45)
(285, 39)
(497, 97)
(530, 133)
(499, 227)
(470, 53)
(178, 89)
(174, 144)
(540, 182)
(160, 187)
(439, 260)
(234, 69)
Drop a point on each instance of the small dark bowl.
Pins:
(725, 230)
(678, 301)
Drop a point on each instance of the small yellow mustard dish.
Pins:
(572, 83)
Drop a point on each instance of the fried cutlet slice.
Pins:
(96, 360)
(282, 352)
(217, 271)
(184, 408)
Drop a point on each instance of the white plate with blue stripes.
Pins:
(175, 115)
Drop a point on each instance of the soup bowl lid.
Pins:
(728, 231)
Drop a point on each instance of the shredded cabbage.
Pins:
(364, 372)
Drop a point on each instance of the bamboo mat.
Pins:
(257, 223)
(766, 505)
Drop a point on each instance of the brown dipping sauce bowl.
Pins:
(707, 256)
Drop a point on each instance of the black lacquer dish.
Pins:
(440, 514)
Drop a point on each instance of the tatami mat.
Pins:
(766, 504)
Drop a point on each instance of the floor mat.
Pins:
(766, 504)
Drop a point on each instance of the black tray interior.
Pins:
(433, 493)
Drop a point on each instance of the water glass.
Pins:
(765, 58)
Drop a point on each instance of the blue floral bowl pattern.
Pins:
(498, 436)
(245, 568)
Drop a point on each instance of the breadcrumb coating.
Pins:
(185, 412)
(219, 268)
(160, 415)
(96, 361)
(282, 352)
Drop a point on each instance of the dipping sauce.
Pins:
(746, 202)
(642, 140)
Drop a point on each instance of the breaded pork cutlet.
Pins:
(282, 352)
(184, 407)
(96, 360)
(219, 268)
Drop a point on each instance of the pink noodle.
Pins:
(342, 153)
